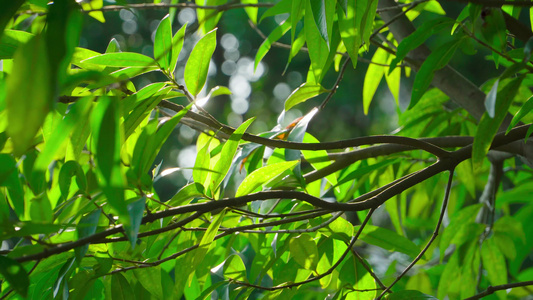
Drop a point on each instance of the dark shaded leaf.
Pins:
(15, 275)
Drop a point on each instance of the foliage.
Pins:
(441, 207)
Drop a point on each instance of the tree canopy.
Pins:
(369, 149)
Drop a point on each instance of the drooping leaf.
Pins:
(150, 279)
(417, 38)
(435, 61)
(107, 141)
(198, 63)
(302, 93)
(177, 45)
(494, 263)
(121, 288)
(163, 44)
(488, 127)
(373, 76)
(275, 35)
(122, 59)
(15, 274)
(262, 176)
(304, 251)
(135, 211)
(29, 94)
(490, 100)
(318, 48)
(323, 17)
(250, 10)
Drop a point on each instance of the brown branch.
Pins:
(492, 289)
(498, 3)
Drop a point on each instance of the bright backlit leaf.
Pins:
(122, 59)
(302, 93)
(304, 251)
(262, 176)
(198, 63)
(163, 43)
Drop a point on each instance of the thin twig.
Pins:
(433, 237)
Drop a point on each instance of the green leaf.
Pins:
(177, 45)
(8, 10)
(163, 132)
(373, 76)
(462, 218)
(488, 127)
(318, 48)
(121, 288)
(135, 211)
(86, 227)
(388, 240)
(77, 111)
(251, 11)
(226, 156)
(302, 93)
(491, 25)
(297, 10)
(262, 176)
(142, 109)
(203, 163)
(150, 279)
(494, 263)
(312, 155)
(29, 94)
(341, 229)
(417, 38)
(304, 251)
(187, 193)
(282, 7)
(355, 275)
(234, 268)
(350, 30)
(61, 281)
(490, 100)
(11, 40)
(107, 141)
(121, 59)
(323, 17)
(207, 241)
(163, 44)
(198, 63)
(15, 275)
(521, 113)
(435, 61)
(409, 295)
(68, 170)
(9, 178)
(275, 35)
